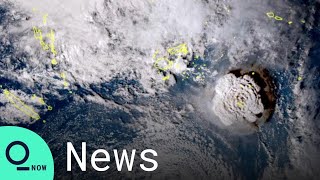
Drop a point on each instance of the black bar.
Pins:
(23, 168)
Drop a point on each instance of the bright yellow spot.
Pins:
(240, 104)
(54, 61)
(37, 33)
(33, 96)
(44, 45)
(167, 61)
(253, 73)
(41, 101)
(44, 121)
(20, 105)
(166, 77)
(290, 22)
(177, 66)
(50, 108)
(66, 84)
(155, 54)
(6, 92)
(303, 21)
(180, 49)
(270, 14)
(299, 78)
(44, 19)
(63, 75)
(278, 18)
(51, 36)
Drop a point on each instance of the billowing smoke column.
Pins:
(237, 99)
(243, 97)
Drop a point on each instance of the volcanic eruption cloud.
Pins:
(237, 99)
(219, 89)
